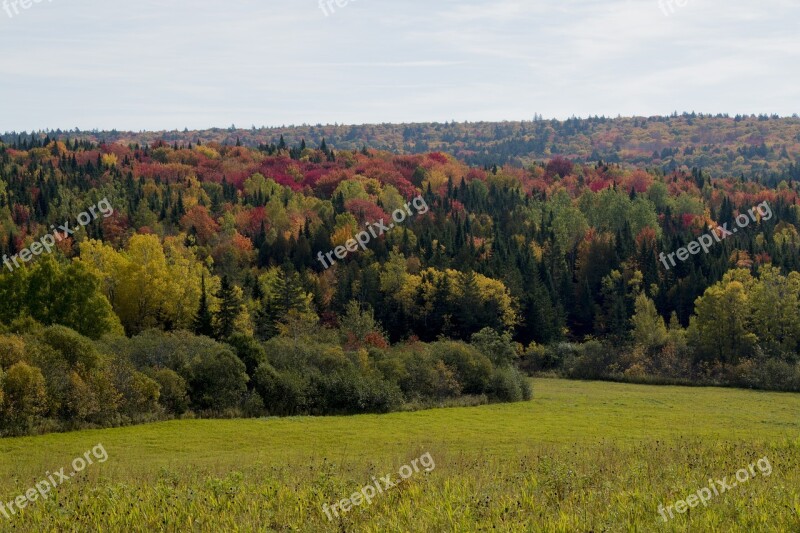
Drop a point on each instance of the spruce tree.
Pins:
(203, 321)
(225, 318)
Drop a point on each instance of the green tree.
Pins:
(204, 320)
(720, 330)
(649, 329)
(499, 348)
(775, 303)
(229, 309)
(25, 397)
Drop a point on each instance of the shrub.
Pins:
(173, 390)
(391, 366)
(284, 354)
(473, 369)
(377, 396)
(557, 355)
(500, 349)
(25, 396)
(348, 391)
(506, 385)
(140, 394)
(77, 350)
(284, 393)
(158, 349)
(217, 380)
(537, 358)
(425, 378)
(249, 350)
(591, 361)
(253, 405)
(12, 350)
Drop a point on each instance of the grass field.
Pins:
(579, 457)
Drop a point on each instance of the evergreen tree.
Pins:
(203, 321)
(225, 317)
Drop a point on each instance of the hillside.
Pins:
(720, 145)
(287, 279)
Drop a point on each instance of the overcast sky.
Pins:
(149, 64)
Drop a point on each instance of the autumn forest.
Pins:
(539, 254)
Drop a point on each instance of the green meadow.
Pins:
(581, 456)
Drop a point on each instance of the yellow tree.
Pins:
(720, 329)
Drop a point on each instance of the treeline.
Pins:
(746, 333)
(54, 379)
(754, 145)
(223, 242)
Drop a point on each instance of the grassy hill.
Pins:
(579, 457)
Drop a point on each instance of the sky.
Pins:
(163, 65)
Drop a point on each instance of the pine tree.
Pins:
(468, 312)
(225, 318)
(203, 321)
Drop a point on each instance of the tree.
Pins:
(217, 379)
(173, 390)
(720, 330)
(249, 350)
(775, 302)
(204, 320)
(25, 396)
(51, 293)
(284, 294)
(499, 348)
(649, 330)
(468, 313)
(358, 327)
(229, 309)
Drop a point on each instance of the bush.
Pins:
(140, 394)
(591, 361)
(284, 393)
(217, 380)
(537, 358)
(253, 405)
(284, 354)
(77, 350)
(12, 350)
(473, 369)
(422, 377)
(764, 373)
(509, 385)
(25, 397)
(500, 349)
(249, 350)
(348, 391)
(173, 390)
(558, 355)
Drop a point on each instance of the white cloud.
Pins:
(165, 65)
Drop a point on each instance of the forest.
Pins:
(764, 146)
(202, 294)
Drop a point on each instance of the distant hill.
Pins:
(720, 145)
